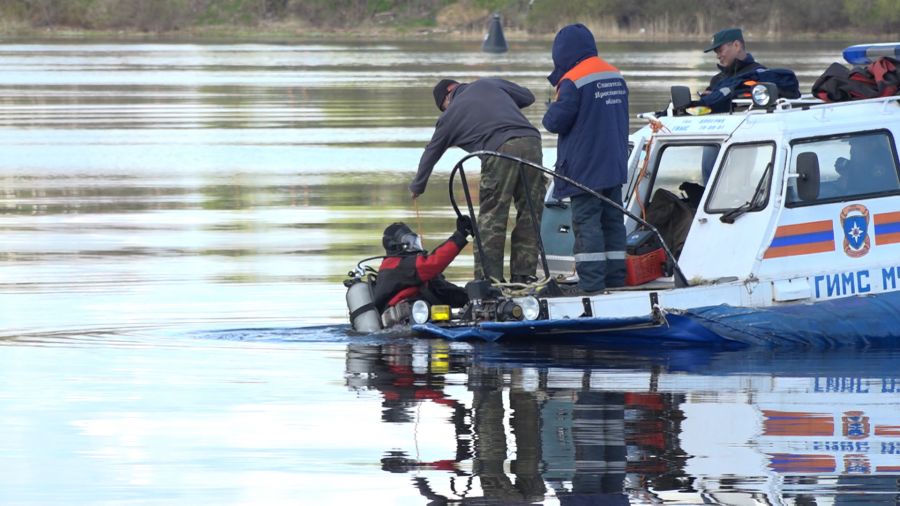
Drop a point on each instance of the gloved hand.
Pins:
(464, 225)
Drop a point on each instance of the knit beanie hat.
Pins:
(441, 92)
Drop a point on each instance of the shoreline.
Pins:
(291, 32)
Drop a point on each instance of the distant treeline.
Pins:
(608, 17)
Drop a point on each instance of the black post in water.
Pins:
(494, 42)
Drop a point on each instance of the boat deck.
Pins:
(656, 284)
(666, 283)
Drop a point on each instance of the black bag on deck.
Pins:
(880, 78)
(672, 216)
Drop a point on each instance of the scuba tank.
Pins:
(364, 315)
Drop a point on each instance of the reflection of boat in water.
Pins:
(619, 426)
(789, 233)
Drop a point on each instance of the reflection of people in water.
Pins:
(388, 369)
(590, 450)
(490, 440)
(579, 442)
(870, 168)
(591, 438)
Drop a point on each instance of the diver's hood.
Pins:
(399, 239)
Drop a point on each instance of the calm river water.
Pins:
(176, 221)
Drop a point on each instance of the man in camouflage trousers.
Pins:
(486, 115)
(501, 184)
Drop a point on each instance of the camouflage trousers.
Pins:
(502, 183)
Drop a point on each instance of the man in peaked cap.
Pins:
(733, 57)
(739, 72)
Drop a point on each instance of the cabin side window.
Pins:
(845, 167)
(743, 181)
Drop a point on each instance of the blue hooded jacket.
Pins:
(590, 114)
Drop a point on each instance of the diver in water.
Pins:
(410, 273)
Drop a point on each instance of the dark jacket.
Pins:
(737, 80)
(482, 115)
(590, 114)
(402, 277)
(737, 67)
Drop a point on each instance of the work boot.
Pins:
(550, 289)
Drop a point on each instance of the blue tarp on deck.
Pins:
(861, 320)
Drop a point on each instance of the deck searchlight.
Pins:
(764, 94)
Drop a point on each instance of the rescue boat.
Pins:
(777, 224)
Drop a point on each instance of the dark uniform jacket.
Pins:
(737, 80)
(403, 277)
(730, 83)
(738, 67)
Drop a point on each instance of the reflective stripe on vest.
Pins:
(590, 70)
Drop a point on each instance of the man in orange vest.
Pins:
(590, 115)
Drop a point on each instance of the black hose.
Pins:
(364, 260)
(679, 276)
(479, 248)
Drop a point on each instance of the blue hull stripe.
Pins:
(792, 240)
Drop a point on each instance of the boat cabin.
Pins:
(797, 200)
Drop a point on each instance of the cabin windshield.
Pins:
(743, 179)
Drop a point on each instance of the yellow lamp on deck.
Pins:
(440, 313)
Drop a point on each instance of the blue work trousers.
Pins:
(599, 240)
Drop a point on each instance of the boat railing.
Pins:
(807, 101)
